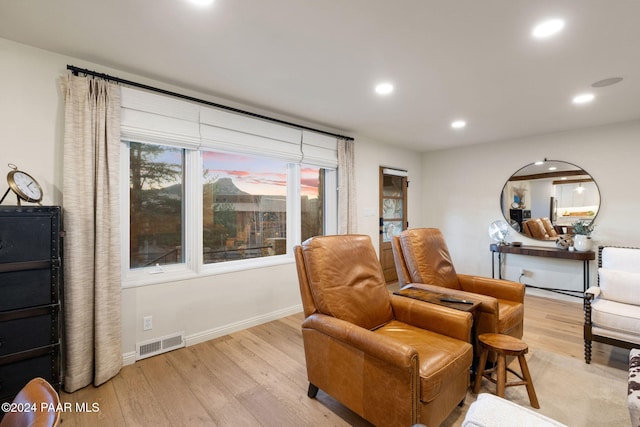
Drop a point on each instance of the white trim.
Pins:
(245, 264)
(192, 214)
(395, 172)
(129, 358)
(179, 272)
(133, 278)
(294, 215)
(241, 325)
(331, 201)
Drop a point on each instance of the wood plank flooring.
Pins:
(257, 377)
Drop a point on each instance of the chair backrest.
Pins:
(427, 257)
(341, 276)
(37, 392)
(619, 258)
(619, 274)
(535, 228)
(548, 228)
(398, 258)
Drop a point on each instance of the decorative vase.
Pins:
(582, 243)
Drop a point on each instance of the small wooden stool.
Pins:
(503, 346)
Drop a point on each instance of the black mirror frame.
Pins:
(575, 170)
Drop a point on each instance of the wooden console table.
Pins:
(548, 252)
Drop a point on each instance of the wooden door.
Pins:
(393, 215)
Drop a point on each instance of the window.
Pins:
(156, 204)
(211, 191)
(312, 201)
(244, 200)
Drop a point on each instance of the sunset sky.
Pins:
(258, 175)
(251, 174)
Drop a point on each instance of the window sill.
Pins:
(147, 277)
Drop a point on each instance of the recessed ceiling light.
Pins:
(547, 28)
(552, 168)
(583, 98)
(202, 2)
(384, 88)
(458, 124)
(607, 82)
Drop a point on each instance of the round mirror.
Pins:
(545, 199)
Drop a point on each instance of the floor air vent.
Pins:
(159, 345)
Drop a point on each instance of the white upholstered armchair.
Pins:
(612, 308)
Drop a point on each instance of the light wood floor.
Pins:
(258, 377)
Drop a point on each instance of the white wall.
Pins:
(31, 129)
(462, 186)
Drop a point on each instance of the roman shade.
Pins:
(155, 118)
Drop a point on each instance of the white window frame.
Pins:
(193, 265)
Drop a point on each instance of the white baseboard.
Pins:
(243, 324)
(130, 357)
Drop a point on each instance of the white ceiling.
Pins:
(319, 60)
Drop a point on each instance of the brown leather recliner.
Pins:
(422, 259)
(37, 404)
(393, 360)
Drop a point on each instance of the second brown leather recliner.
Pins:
(422, 258)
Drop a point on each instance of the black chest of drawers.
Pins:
(30, 296)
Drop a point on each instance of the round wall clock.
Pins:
(24, 185)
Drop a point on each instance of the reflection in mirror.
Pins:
(542, 200)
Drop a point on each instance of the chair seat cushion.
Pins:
(510, 315)
(612, 315)
(441, 358)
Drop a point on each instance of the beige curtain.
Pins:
(92, 344)
(346, 187)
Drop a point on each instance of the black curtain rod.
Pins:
(76, 70)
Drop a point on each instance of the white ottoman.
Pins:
(493, 411)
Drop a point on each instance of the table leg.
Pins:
(529, 383)
(480, 370)
(501, 371)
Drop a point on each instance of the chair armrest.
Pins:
(488, 304)
(497, 288)
(589, 295)
(592, 292)
(379, 346)
(443, 320)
